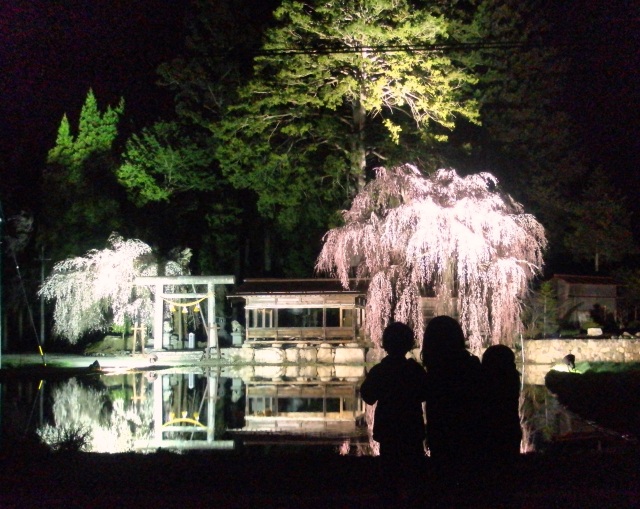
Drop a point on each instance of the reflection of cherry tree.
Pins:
(88, 415)
(458, 238)
(97, 290)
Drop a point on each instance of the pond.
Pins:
(230, 408)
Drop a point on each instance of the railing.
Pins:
(292, 423)
(268, 335)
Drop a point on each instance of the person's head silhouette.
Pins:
(397, 338)
(443, 338)
(570, 360)
(499, 358)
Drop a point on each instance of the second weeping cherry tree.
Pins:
(457, 238)
(96, 291)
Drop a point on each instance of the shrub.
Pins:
(66, 438)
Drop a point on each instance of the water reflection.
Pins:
(98, 417)
(213, 409)
(312, 411)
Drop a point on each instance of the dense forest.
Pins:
(281, 114)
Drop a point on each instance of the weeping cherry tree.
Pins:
(95, 291)
(456, 238)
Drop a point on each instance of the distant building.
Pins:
(311, 311)
(579, 298)
(317, 401)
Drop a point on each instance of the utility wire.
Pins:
(536, 40)
(405, 48)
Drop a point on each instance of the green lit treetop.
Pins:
(95, 135)
(335, 88)
(81, 202)
(163, 160)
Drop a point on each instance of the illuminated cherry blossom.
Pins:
(94, 291)
(458, 239)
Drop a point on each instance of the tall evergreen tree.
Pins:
(81, 204)
(62, 152)
(96, 130)
(339, 87)
(168, 170)
(289, 142)
(527, 138)
(540, 312)
(223, 36)
(599, 231)
(163, 160)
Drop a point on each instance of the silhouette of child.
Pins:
(502, 382)
(397, 385)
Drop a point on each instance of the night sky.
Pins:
(603, 86)
(52, 51)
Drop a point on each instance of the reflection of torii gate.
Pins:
(159, 282)
(186, 427)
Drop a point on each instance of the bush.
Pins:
(66, 438)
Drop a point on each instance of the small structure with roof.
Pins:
(579, 296)
(310, 311)
(172, 291)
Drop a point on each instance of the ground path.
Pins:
(244, 479)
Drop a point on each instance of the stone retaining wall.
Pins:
(536, 351)
(302, 354)
(551, 351)
(328, 362)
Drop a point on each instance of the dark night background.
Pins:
(52, 52)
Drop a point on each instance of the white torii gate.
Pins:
(159, 282)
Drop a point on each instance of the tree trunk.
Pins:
(359, 153)
(267, 251)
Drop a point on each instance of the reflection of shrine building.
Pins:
(312, 409)
(202, 410)
(279, 311)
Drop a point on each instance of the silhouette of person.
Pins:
(502, 419)
(455, 392)
(570, 360)
(398, 384)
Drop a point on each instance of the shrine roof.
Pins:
(297, 286)
(586, 280)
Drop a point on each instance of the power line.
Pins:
(329, 49)
(393, 48)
